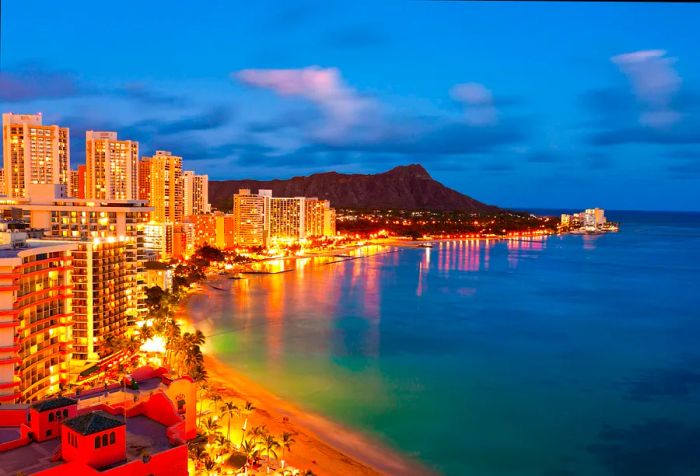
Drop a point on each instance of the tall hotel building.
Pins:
(165, 187)
(33, 153)
(287, 218)
(251, 213)
(35, 316)
(111, 167)
(110, 275)
(195, 193)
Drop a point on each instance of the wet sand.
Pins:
(325, 447)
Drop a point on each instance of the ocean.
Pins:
(566, 356)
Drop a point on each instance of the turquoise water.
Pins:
(571, 356)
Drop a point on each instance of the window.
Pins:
(50, 416)
(112, 438)
(65, 412)
(104, 439)
(48, 432)
(97, 442)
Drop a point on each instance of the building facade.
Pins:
(251, 215)
(287, 219)
(195, 193)
(111, 167)
(103, 307)
(33, 153)
(165, 180)
(35, 316)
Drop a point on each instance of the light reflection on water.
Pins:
(483, 357)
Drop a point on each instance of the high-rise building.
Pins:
(35, 316)
(2, 181)
(204, 229)
(225, 230)
(313, 216)
(287, 219)
(103, 307)
(165, 176)
(144, 179)
(33, 153)
(111, 167)
(86, 220)
(328, 219)
(195, 193)
(77, 182)
(250, 213)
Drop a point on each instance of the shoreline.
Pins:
(322, 445)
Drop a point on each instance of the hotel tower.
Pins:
(165, 187)
(33, 153)
(111, 167)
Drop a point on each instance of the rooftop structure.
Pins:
(139, 436)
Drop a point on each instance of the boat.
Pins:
(425, 245)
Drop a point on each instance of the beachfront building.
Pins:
(287, 219)
(203, 228)
(103, 304)
(111, 167)
(329, 219)
(75, 219)
(195, 193)
(261, 219)
(35, 316)
(165, 187)
(111, 432)
(251, 216)
(159, 274)
(33, 153)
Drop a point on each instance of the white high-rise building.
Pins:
(195, 193)
(33, 153)
(112, 171)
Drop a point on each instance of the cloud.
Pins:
(654, 82)
(345, 110)
(30, 82)
(478, 103)
(655, 110)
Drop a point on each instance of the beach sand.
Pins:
(322, 446)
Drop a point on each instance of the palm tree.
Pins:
(246, 410)
(259, 433)
(215, 397)
(229, 409)
(210, 466)
(210, 427)
(287, 440)
(250, 450)
(270, 444)
(223, 444)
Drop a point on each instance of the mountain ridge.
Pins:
(408, 187)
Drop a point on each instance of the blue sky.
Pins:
(517, 104)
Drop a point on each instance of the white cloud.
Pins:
(654, 81)
(478, 102)
(344, 108)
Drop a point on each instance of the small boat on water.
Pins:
(236, 276)
(425, 245)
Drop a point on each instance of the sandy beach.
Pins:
(325, 447)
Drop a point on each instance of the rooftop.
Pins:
(29, 459)
(53, 404)
(94, 422)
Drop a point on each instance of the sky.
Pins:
(518, 104)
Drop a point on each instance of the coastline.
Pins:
(322, 445)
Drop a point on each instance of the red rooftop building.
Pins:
(110, 432)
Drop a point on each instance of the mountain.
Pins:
(408, 187)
